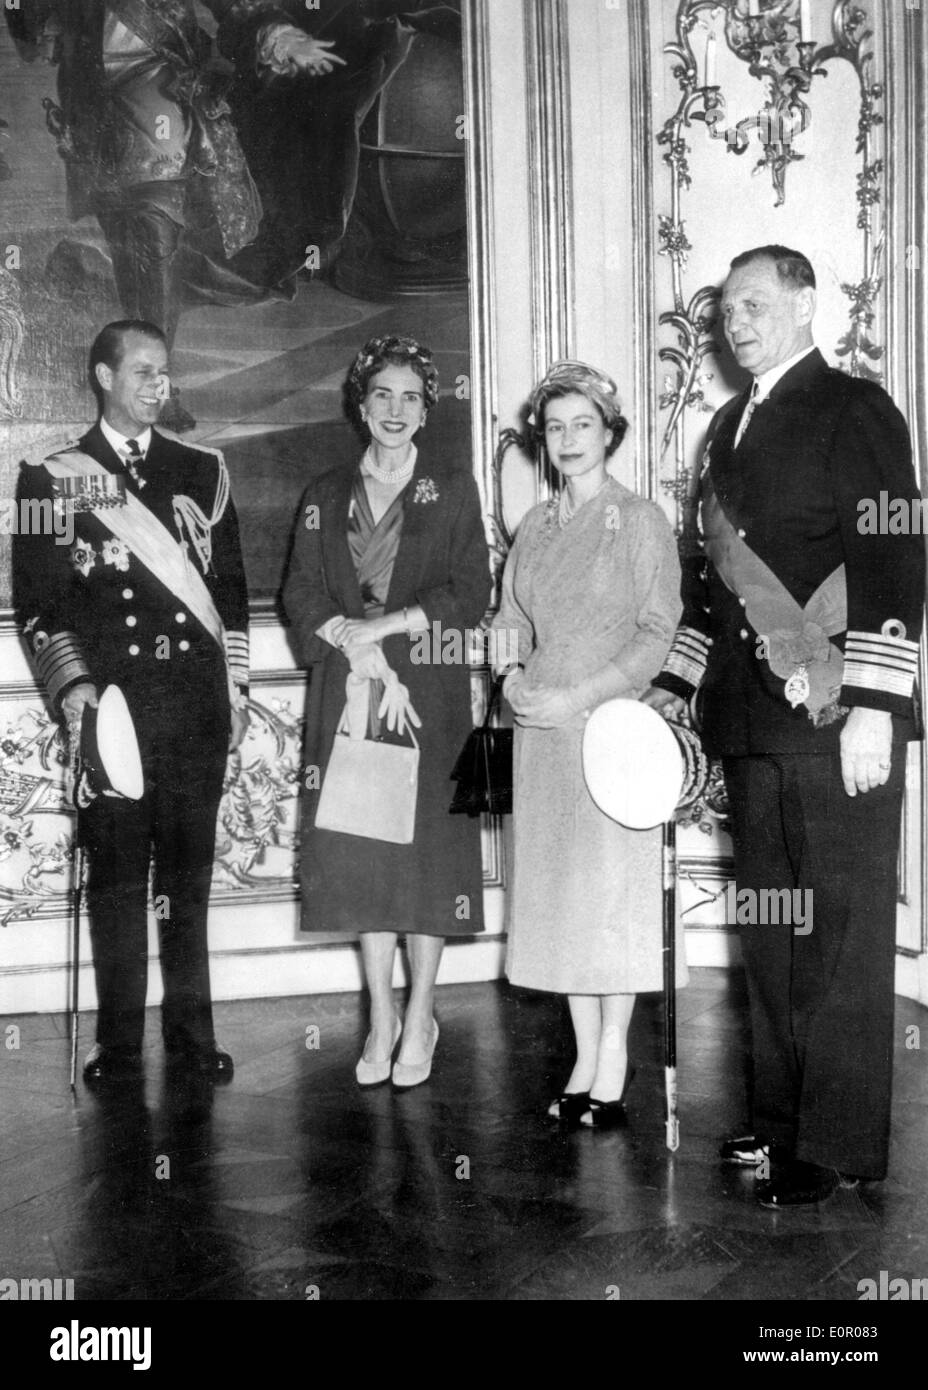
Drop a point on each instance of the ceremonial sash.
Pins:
(796, 638)
(150, 542)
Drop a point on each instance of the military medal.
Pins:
(797, 687)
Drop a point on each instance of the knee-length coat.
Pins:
(433, 886)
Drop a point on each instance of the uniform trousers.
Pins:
(821, 1003)
(173, 829)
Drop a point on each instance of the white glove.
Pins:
(395, 706)
(368, 661)
(72, 705)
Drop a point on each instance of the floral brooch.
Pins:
(426, 491)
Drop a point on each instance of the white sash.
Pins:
(150, 541)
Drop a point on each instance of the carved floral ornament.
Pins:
(256, 837)
(776, 41)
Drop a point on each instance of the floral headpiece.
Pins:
(394, 347)
(569, 375)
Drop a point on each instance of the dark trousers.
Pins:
(173, 827)
(821, 1004)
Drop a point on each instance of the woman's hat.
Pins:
(110, 762)
(639, 768)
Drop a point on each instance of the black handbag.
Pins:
(483, 770)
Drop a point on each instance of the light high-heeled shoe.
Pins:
(376, 1073)
(406, 1076)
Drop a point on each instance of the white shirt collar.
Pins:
(119, 442)
(767, 380)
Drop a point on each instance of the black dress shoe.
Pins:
(108, 1063)
(798, 1184)
(609, 1114)
(202, 1061)
(605, 1114)
(569, 1107)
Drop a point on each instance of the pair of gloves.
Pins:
(550, 707)
(368, 663)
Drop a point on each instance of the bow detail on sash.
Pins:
(796, 639)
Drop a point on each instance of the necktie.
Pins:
(133, 458)
(746, 417)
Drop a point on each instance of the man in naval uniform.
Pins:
(800, 631)
(150, 597)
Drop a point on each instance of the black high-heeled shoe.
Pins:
(569, 1107)
(608, 1114)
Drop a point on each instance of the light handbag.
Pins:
(370, 788)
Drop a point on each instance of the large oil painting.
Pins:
(273, 181)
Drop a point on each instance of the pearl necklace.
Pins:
(565, 510)
(390, 478)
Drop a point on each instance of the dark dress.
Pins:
(433, 886)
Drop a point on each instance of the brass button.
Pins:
(184, 645)
(128, 593)
(744, 634)
(133, 650)
(131, 620)
(180, 617)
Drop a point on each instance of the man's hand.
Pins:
(668, 705)
(239, 727)
(72, 705)
(866, 749)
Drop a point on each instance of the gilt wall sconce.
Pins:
(780, 42)
(774, 39)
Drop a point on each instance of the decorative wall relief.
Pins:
(774, 39)
(256, 829)
(12, 332)
(36, 825)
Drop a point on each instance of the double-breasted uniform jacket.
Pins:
(124, 601)
(442, 564)
(92, 611)
(820, 445)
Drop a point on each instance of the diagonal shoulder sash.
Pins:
(796, 638)
(150, 542)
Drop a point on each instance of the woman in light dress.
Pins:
(591, 596)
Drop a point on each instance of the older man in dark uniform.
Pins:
(150, 597)
(800, 631)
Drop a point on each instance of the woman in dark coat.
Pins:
(389, 558)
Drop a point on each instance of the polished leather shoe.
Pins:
(609, 1114)
(569, 1107)
(202, 1061)
(108, 1063)
(798, 1184)
(605, 1114)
